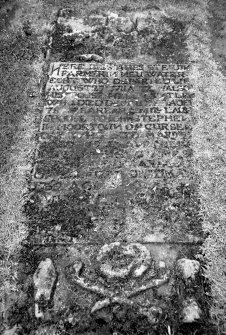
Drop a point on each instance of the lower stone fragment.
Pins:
(44, 280)
(188, 268)
(191, 311)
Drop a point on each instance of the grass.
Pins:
(21, 61)
(209, 147)
(14, 77)
(208, 144)
(209, 156)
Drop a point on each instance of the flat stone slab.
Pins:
(113, 139)
(112, 181)
(113, 161)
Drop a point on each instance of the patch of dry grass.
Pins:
(20, 75)
(209, 145)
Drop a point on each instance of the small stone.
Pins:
(44, 279)
(188, 268)
(70, 319)
(162, 264)
(191, 311)
(38, 175)
(97, 58)
(78, 267)
(112, 16)
(91, 57)
(140, 270)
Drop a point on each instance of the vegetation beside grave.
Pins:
(209, 155)
(21, 56)
(209, 150)
(208, 144)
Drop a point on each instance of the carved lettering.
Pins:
(91, 102)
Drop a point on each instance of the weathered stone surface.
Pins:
(188, 268)
(191, 311)
(44, 280)
(113, 167)
(101, 125)
(119, 261)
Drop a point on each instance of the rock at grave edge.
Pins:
(44, 280)
(191, 311)
(188, 268)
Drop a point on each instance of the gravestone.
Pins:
(111, 135)
(112, 180)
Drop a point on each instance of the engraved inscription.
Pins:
(113, 138)
(113, 103)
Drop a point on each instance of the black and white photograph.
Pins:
(112, 167)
